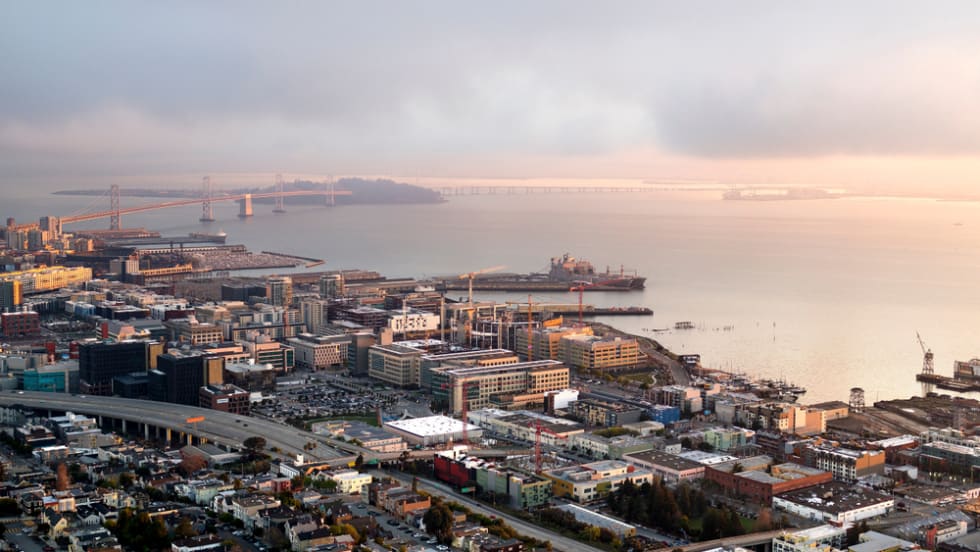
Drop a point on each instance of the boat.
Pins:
(564, 273)
(685, 325)
(569, 269)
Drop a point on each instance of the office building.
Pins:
(279, 291)
(183, 375)
(395, 364)
(320, 352)
(507, 386)
(224, 397)
(99, 363)
(545, 342)
(590, 482)
(17, 325)
(600, 354)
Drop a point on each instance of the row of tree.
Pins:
(672, 510)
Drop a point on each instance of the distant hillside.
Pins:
(372, 191)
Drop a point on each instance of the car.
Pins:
(392, 522)
(432, 540)
(442, 547)
(417, 535)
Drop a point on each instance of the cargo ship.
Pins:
(564, 273)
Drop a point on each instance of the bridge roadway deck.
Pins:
(220, 428)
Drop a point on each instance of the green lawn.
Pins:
(366, 418)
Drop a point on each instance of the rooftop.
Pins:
(667, 460)
(430, 425)
(835, 497)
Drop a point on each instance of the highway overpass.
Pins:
(168, 422)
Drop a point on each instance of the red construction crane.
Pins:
(581, 287)
(538, 430)
(465, 406)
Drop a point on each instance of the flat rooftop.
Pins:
(430, 426)
(665, 459)
(835, 497)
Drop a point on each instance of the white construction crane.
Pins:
(474, 274)
(472, 312)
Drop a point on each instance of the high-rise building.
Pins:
(183, 376)
(314, 313)
(99, 363)
(331, 286)
(279, 291)
(10, 295)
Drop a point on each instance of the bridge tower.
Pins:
(280, 208)
(114, 207)
(246, 210)
(330, 198)
(207, 193)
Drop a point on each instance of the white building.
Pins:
(822, 538)
(413, 322)
(834, 503)
(351, 481)
(432, 430)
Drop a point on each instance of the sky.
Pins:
(873, 95)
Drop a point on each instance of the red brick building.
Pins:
(226, 398)
(759, 479)
(20, 324)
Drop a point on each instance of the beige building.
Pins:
(350, 481)
(604, 354)
(546, 342)
(395, 364)
(590, 482)
(508, 386)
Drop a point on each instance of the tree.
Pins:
(185, 529)
(126, 480)
(9, 507)
(190, 464)
(62, 481)
(254, 445)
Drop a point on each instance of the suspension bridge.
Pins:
(207, 199)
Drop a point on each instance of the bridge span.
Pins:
(115, 212)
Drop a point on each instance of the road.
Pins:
(221, 428)
(558, 542)
(731, 542)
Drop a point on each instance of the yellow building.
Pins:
(545, 342)
(512, 385)
(590, 352)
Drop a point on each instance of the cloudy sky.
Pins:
(883, 94)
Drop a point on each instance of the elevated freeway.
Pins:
(169, 422)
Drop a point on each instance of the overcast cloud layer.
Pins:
(480, 89)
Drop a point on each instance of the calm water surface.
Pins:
(827, 294)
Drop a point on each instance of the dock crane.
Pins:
(928, 367)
